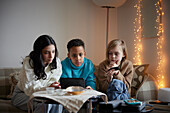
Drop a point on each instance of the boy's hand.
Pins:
(88, 87)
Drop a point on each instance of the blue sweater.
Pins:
(86, 71)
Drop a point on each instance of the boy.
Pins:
(76, 65)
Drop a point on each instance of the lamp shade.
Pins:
(111, 3)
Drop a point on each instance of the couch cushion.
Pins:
(4, 86)
(148, 90)
(7, 107)
(138, 77)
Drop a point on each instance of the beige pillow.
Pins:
(148, 90)
(13, 81)
(138, 77)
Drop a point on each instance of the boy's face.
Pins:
(76, 55)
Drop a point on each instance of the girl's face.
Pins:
(48, 54)
(115, 55)
(77, 55)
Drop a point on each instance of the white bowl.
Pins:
(75, 90)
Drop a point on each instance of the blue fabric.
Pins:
(86, 71)
(117, 91)
(54, 108)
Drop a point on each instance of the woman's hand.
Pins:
(88, 87)
(56, 85)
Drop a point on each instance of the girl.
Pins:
(41, 69)
(116, 66)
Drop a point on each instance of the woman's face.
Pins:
(116, 55)
(48, 54)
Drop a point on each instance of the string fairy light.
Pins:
(137, 31)
(138, 44)
(161, 58)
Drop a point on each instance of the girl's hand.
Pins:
(114, 63)
(111, 65)
(112, 72)
(88, 87)
(56, 85)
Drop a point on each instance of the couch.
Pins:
(144, 86)
(7, 84)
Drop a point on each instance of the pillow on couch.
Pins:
(148, 90)
(138, 77)
(5, 84)
(13, 81)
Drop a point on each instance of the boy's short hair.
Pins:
(74, 43)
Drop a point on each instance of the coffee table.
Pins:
(72, 103)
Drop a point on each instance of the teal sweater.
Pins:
(86, 71)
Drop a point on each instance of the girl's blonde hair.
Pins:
(113, 44)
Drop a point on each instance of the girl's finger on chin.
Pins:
(111, 63)
(117, 62)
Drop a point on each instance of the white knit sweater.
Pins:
(27, 78)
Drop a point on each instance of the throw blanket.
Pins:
(72, 103)
(117, 91)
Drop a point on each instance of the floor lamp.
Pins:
(108, 4)
(107, 23)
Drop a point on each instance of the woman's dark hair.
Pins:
(36, 56)
(74, 43)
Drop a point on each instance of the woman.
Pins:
(41, 69)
